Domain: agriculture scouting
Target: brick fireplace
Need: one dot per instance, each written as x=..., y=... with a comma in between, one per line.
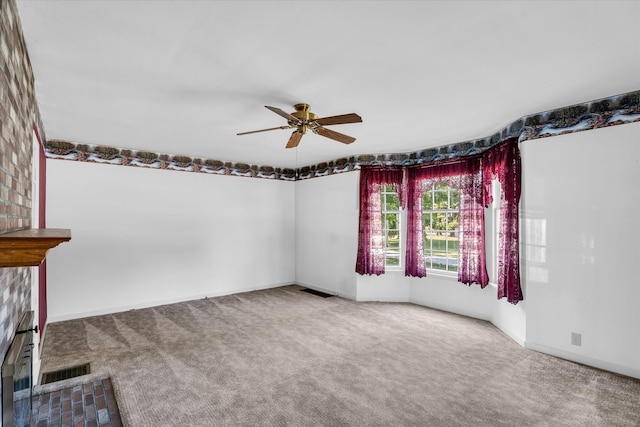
x=19, y=117
x=17, y=375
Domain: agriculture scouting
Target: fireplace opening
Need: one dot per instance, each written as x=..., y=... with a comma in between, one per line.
x=17, y=375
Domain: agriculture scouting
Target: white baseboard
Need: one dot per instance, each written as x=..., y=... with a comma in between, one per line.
x=327, y=291
x=383, y=299
x=147, y=304
x=444, y=307
x=515, y=337
x=585, y=360
x=469, y=313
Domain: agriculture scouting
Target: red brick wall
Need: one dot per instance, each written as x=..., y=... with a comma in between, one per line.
x=18, y=111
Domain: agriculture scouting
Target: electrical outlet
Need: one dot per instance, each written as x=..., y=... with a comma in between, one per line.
x=576, y=339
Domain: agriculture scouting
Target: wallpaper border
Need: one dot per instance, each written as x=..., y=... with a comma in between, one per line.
x=612, y=111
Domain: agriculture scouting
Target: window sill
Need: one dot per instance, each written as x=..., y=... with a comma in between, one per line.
x=442, y=274
x=439, y=274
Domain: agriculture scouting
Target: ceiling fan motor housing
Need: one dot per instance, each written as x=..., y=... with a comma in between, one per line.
x=302, y=112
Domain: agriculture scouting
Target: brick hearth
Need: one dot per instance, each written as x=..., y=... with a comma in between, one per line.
x=88, y=405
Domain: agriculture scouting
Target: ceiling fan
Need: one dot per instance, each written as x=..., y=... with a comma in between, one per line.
x=302, y=120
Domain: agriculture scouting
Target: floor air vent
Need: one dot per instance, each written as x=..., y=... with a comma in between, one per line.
x=317, y=293
x=65, y=374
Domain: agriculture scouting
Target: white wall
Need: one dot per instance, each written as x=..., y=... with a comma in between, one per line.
x=142, y=237
x=446, y=293
x=391, y=286
x=327, y=233
x=581, y=206
x=509, y=318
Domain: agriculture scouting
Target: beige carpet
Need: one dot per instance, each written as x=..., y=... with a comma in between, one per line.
x=282, y=357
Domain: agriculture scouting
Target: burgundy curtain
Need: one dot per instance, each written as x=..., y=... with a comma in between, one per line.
x=472, y=257
x=464, y=174
x=473, y=177
x=503, y=162
x=370, y=238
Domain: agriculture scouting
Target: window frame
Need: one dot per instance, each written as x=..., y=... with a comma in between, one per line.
x=492, y=231
x=492, y=228
x=428, y=251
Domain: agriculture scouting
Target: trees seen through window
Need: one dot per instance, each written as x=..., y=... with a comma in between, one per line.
x=441, y=226
x=391, y=226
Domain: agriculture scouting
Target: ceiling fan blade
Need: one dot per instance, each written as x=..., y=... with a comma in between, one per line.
x=294, y=140
x=263, y=130
x=328, y=133
x=287, y=116
x=339, y=120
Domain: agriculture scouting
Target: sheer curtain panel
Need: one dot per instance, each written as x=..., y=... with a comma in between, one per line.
x=370, y=258
x=503, y=163
x=465, y=175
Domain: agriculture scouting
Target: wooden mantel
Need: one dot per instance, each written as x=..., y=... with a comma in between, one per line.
x=25, y=248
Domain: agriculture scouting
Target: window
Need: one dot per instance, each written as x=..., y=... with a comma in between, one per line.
x=441, y=226
x=445, y=228
x=494, y=230
x=391, y=226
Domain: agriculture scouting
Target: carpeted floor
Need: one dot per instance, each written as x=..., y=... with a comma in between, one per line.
x=281, y=357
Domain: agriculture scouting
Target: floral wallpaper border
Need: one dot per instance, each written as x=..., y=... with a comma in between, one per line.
x=612, y=111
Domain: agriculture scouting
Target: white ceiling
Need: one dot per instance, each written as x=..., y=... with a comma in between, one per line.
x=183, y=77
